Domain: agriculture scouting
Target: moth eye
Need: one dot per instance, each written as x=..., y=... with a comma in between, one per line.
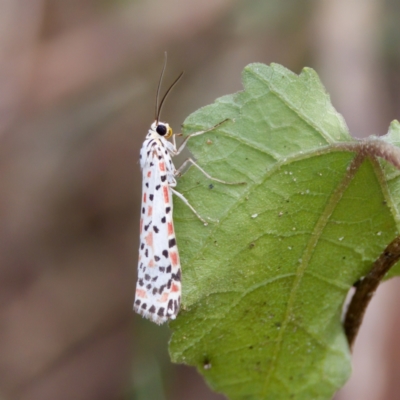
x=161, y=129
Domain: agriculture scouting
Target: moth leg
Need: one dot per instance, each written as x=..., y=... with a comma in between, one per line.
x=183, y=144
x=178, y=172
x=184, y=199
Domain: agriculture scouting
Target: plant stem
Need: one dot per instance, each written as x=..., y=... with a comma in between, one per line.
x=367, y=287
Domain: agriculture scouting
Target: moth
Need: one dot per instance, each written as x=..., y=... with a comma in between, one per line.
x=158, y=288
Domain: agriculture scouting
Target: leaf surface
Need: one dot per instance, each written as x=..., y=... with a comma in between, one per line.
x=264, y=286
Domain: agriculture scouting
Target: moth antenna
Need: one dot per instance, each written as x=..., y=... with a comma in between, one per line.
x=159, y=85
x=166, y=93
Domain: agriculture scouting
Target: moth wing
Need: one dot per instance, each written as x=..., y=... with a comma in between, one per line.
x=158, y=287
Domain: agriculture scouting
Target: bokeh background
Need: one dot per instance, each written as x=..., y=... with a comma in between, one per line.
x=77, y=86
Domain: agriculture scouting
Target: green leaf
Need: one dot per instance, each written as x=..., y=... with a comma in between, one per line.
x=263, y=287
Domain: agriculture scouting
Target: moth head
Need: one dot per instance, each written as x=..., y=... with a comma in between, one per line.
x=162, y=128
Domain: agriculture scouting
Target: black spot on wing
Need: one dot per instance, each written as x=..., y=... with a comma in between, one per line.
x=161, y=312
x=171, y=242
x=161, y=288
x=177, y=277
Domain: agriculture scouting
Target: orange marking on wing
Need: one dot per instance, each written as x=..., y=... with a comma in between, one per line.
x=166, y=194
x=170, y=229
x=149, y=174
x=141, y=293
x=174, y=258
x=141, y=225
x=149, y=239
x=150, y=211
x=162, y=166
x=144, y=197
x=151, y=263
x=164, y=298
x=175, y=288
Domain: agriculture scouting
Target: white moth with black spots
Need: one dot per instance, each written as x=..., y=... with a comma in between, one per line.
x=158, y=288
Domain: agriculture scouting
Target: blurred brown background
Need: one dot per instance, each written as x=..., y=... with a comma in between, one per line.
x=77, y=85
